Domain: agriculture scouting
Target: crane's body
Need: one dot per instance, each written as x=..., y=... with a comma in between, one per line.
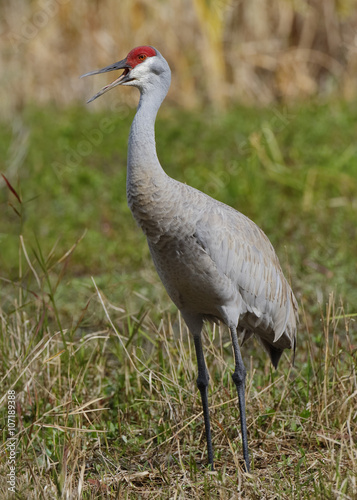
x=214, y=262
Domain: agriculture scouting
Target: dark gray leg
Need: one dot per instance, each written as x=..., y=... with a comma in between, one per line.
x=239, y=379
x=202, y=384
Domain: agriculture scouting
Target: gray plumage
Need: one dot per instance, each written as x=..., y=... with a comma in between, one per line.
x=214, y=262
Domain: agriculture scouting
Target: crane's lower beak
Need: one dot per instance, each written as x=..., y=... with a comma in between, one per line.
x=119, y=81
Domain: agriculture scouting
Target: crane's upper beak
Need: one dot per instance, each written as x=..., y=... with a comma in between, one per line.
x=123, y=64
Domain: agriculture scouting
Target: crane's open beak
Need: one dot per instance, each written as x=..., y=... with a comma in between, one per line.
x=124, y=77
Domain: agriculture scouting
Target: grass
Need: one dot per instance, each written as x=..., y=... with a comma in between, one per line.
x=100, y=360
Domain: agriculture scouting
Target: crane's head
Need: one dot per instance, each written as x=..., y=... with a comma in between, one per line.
x=144, y=68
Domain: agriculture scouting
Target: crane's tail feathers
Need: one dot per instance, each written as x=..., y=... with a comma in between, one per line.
x=294, y=349
x=283, y=321
x=274, y=352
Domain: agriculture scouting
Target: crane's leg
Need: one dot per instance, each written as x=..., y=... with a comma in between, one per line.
x=239, y=379
x=202, y=384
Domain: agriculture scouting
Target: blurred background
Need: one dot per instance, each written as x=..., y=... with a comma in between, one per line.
x=220, y=51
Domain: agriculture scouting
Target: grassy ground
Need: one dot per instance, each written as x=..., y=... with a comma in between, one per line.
x=101, y=363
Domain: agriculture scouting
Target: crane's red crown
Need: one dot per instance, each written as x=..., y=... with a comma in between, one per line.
x=139, y=54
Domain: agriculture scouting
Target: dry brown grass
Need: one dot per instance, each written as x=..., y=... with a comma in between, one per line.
x=80, y=436
x=224, y=50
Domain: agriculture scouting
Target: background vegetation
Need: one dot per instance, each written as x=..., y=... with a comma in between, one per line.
x=220, y=51
x=102, y=365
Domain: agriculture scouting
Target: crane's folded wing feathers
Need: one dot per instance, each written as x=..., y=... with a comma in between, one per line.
x=242, y=252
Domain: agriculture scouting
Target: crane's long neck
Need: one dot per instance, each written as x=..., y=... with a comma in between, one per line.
x=145, y=176
x=141, y=148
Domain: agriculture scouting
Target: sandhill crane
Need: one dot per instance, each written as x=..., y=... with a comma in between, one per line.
x=214, y=262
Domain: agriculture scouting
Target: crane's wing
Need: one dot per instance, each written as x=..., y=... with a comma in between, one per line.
x=243, y=253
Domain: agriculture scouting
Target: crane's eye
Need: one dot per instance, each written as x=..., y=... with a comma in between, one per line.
x=142, y=57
